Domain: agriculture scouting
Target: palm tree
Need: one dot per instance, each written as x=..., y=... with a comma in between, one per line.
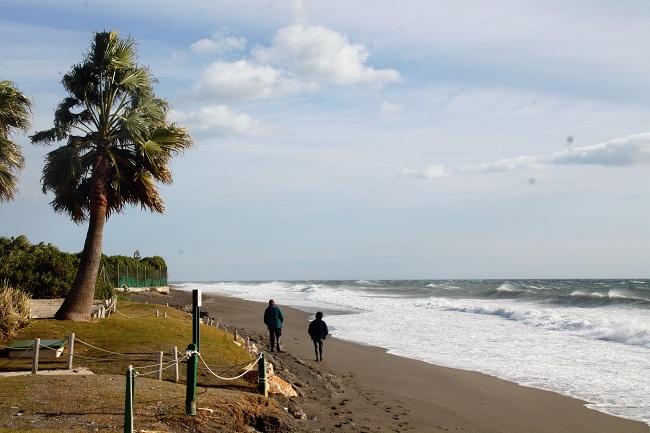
x=14, y=114
x=118, y=144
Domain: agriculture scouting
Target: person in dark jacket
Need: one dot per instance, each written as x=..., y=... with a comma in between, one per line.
x=273, y=319
x=318, y=333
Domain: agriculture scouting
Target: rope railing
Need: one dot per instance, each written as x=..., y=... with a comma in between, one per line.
x=134, y=317
x=170, y=365
x=85, y=343
x=145, y=367
x=165, y=361
x=250, y=367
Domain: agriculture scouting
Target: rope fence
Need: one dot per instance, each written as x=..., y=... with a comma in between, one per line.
x=250, y=367
x=164, y=362
x=21, y=351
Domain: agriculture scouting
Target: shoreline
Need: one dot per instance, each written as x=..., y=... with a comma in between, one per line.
x=428, y=397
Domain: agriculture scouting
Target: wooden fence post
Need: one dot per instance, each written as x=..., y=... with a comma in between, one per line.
x=37, y=345
x=70, y=350
x=234, y=335
x=176, y=364
x=160, y=365
x=157, y=313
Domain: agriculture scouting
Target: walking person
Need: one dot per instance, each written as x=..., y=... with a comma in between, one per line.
x=318, y=333
x=273, y=319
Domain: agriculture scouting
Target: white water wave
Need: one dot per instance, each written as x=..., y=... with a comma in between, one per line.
x=577, y=321
x=611, y=294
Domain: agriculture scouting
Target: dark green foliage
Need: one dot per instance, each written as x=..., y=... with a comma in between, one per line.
x=144, y=272
x=44, y=271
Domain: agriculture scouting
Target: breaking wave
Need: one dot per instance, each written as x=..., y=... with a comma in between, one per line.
x=582, y=298
x=598, y=328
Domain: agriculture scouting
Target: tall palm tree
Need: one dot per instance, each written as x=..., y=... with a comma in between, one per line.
x=118, y=144
x=15, y=110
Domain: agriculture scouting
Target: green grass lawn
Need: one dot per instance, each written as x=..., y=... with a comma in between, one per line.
x=141, y=338
x=95, y=403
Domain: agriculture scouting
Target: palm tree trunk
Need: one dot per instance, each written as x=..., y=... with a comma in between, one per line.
x=78, y=302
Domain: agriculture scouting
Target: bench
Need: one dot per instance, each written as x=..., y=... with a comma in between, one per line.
x=18, y=348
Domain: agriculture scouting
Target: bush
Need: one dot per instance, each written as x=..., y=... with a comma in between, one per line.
x=14, y=310
x=43, y=271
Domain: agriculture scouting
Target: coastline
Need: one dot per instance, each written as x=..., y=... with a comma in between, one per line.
x=402, y=394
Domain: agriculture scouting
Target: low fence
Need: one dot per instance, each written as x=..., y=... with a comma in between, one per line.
x=154, y=364
x=134, y=276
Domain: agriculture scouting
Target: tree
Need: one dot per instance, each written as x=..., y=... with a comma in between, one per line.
x=15, y=110
x=118, y=145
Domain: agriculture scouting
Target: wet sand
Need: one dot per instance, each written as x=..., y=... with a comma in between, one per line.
x=362, y=388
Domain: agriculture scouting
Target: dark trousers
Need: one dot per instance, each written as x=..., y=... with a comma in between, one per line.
x=274, y=337
x=318, y=349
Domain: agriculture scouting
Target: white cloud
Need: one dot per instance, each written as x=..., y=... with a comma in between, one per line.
x=246, y=81
x=320, y=53
x=219, y=43
x=218, y=120
x=621, y=152
x=431, y=172
x=300, y=58
x=506, y=164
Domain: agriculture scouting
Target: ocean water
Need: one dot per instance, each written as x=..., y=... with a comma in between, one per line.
x=588, y=339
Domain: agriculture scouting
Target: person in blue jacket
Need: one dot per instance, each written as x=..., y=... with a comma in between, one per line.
x=318, y=332
x=273, y=319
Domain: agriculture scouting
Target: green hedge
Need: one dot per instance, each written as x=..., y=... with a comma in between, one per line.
x=44, y=271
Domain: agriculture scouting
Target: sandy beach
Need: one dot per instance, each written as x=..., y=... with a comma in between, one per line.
x=361, y=388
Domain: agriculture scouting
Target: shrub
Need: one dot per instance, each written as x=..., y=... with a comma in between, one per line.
x=43, y=271
x=14, y=310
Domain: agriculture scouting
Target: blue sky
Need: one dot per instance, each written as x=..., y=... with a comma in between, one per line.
x=369, y=139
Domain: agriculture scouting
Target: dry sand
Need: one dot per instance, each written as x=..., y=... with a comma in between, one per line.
x=361, y=388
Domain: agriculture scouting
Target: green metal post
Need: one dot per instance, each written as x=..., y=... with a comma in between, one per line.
x=190, y=390
x=196, y=318
x=261, y=376
x=193, y=361
x=128, y=401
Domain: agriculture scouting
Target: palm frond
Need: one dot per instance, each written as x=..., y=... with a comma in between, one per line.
x=10, y=154
x=15, y=113
x=111, y=114
x=15, y=108
x=8, y=183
